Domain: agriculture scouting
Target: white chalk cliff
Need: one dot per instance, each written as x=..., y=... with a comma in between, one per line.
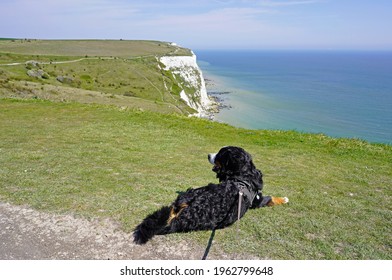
x=190, y=79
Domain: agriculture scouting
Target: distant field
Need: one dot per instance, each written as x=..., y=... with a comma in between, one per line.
x=121, y=73
x=118, y=48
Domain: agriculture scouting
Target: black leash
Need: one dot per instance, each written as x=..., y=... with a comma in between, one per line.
x=209, y=245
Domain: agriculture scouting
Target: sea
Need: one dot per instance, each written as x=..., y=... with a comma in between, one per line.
x=343, y=94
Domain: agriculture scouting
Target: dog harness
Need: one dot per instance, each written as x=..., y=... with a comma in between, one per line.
x=243, y=189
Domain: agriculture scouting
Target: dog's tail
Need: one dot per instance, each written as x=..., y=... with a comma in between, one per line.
x=153, y=224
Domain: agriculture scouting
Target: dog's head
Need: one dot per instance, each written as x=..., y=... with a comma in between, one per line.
x=235, y=162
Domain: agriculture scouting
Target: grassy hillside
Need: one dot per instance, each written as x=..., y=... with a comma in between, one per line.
x=98, y=161
x=123, y=73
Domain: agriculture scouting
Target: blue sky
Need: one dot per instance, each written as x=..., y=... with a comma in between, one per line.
x=207, y=24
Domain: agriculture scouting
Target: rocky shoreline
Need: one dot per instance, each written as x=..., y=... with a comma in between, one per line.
x=218, y=99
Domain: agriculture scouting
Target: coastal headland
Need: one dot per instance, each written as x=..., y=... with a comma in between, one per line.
x=145, y=75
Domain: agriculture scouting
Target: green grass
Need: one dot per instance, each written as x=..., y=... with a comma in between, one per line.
x=116, y=48
x=98, y=161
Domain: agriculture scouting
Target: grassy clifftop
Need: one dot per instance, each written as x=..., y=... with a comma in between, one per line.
x=98, y=161
x=76, y=48
x=123, y=73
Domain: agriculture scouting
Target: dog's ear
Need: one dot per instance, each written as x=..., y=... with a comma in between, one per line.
x=250, y=171
x=232, y=158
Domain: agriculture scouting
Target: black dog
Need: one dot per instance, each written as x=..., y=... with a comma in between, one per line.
x=214, y=206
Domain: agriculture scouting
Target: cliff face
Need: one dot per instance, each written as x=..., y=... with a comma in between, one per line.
x=189, y=79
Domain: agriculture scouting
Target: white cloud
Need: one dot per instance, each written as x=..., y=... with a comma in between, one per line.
x=63, y=19
x=226, y=27
x=274, y=3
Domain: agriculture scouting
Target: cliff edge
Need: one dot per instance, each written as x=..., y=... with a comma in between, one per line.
x=189, y=79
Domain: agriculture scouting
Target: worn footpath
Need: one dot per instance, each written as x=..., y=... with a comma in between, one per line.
x=29, y=234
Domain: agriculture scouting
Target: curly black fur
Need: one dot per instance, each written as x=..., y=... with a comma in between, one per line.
x=213, y=206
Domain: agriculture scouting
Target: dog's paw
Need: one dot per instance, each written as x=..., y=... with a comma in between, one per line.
x=277, y=201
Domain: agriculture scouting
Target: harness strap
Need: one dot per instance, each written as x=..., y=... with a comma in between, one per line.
x=240, y=194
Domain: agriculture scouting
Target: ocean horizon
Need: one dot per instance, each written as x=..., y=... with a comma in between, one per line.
x=343, y=94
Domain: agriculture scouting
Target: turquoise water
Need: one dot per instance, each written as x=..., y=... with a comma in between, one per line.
x=341, y=94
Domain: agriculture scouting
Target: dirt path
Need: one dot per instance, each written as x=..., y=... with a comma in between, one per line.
x=52, y=62
x=74, y=60
x=30, y=234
